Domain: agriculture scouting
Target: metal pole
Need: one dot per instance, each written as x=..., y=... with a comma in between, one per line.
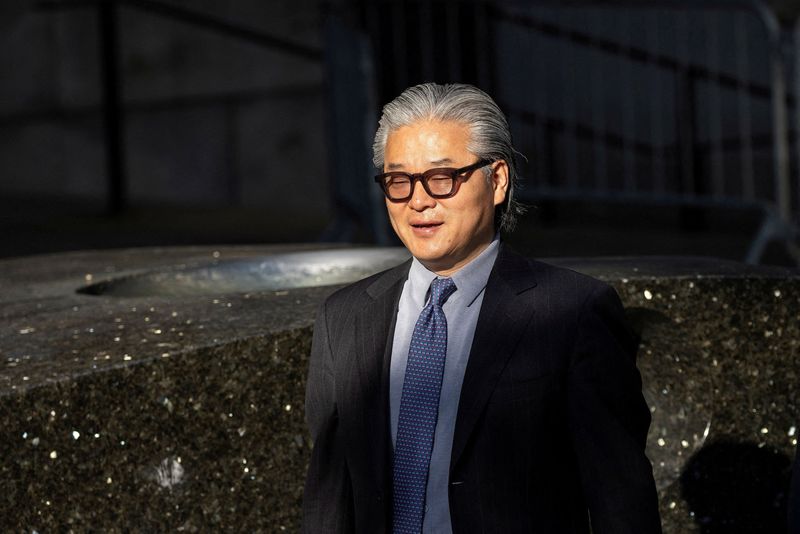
x=716, y=159
x=780, y=128
x=686, y=130
x=628, y=112
x=113, y=117
x=658, y=161
x=781, y=228
x=569, y=110
x=780, y=141
x=744, y=107
x=486, y=49
x=796, y=45
x=599, y=126
x=427, y=48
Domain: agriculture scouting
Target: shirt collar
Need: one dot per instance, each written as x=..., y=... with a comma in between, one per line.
x=470, y=280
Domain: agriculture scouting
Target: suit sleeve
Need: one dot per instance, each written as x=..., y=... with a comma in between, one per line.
x=328, y=497
x=794, y=495
x=609, y=420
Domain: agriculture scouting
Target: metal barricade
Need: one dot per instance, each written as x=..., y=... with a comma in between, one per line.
x=670, y=102
x=636, y=101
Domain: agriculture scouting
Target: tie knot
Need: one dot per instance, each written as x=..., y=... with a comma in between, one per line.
x=441, y=289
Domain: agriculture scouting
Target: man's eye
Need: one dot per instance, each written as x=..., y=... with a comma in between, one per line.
x=398, y=180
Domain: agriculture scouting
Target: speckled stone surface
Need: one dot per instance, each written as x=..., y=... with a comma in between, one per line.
x=719, y=359
x=164, y=413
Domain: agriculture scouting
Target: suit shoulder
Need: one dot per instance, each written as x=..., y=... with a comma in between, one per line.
x=567, y=281
x=352, y=296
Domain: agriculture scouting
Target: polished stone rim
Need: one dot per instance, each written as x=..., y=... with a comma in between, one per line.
x=263, y=273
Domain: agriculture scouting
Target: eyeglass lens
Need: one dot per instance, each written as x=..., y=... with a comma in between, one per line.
x=399, y=186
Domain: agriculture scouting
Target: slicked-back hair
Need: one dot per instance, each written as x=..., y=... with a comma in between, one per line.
x=490, y=137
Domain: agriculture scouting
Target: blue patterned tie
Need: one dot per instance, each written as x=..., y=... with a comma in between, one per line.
x=419, y=409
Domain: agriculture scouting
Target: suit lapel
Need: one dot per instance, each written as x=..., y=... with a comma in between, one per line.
x=374, y=326
x=505, y=313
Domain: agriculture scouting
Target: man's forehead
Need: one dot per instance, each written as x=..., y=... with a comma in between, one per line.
x=429, y=142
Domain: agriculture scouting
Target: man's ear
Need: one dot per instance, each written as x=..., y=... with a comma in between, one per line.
x=499, y=181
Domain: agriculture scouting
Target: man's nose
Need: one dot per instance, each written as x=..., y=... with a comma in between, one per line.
x=420, y=199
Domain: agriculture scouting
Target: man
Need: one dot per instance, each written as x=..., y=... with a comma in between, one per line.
x=471, y=389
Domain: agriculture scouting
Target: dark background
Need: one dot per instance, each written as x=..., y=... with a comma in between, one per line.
x=648, y=127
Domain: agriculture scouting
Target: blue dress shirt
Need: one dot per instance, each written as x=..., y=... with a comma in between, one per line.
x=461, y=311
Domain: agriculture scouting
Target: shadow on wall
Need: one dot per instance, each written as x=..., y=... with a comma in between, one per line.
x=737, y=488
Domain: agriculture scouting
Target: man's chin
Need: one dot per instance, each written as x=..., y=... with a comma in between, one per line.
x=433, y=260
x=425, y=251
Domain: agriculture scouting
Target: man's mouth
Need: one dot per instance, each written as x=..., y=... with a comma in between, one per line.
x=425, y=228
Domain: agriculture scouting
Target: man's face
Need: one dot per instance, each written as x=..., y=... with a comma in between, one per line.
x=444, y=234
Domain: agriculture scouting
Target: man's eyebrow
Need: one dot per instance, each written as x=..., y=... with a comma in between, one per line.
x=434, y=164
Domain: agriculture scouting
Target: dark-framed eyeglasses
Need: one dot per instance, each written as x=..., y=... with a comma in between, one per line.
x=438, y=183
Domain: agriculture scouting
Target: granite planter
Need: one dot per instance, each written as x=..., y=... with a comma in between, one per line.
x=162, y=389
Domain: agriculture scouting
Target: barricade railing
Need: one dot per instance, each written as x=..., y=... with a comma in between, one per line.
x=610, y=104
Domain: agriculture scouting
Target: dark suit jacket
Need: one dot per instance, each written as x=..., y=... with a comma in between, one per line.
x=551, y=423
x=794, y=495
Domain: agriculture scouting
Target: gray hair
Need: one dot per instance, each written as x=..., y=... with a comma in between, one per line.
x=490, y=137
